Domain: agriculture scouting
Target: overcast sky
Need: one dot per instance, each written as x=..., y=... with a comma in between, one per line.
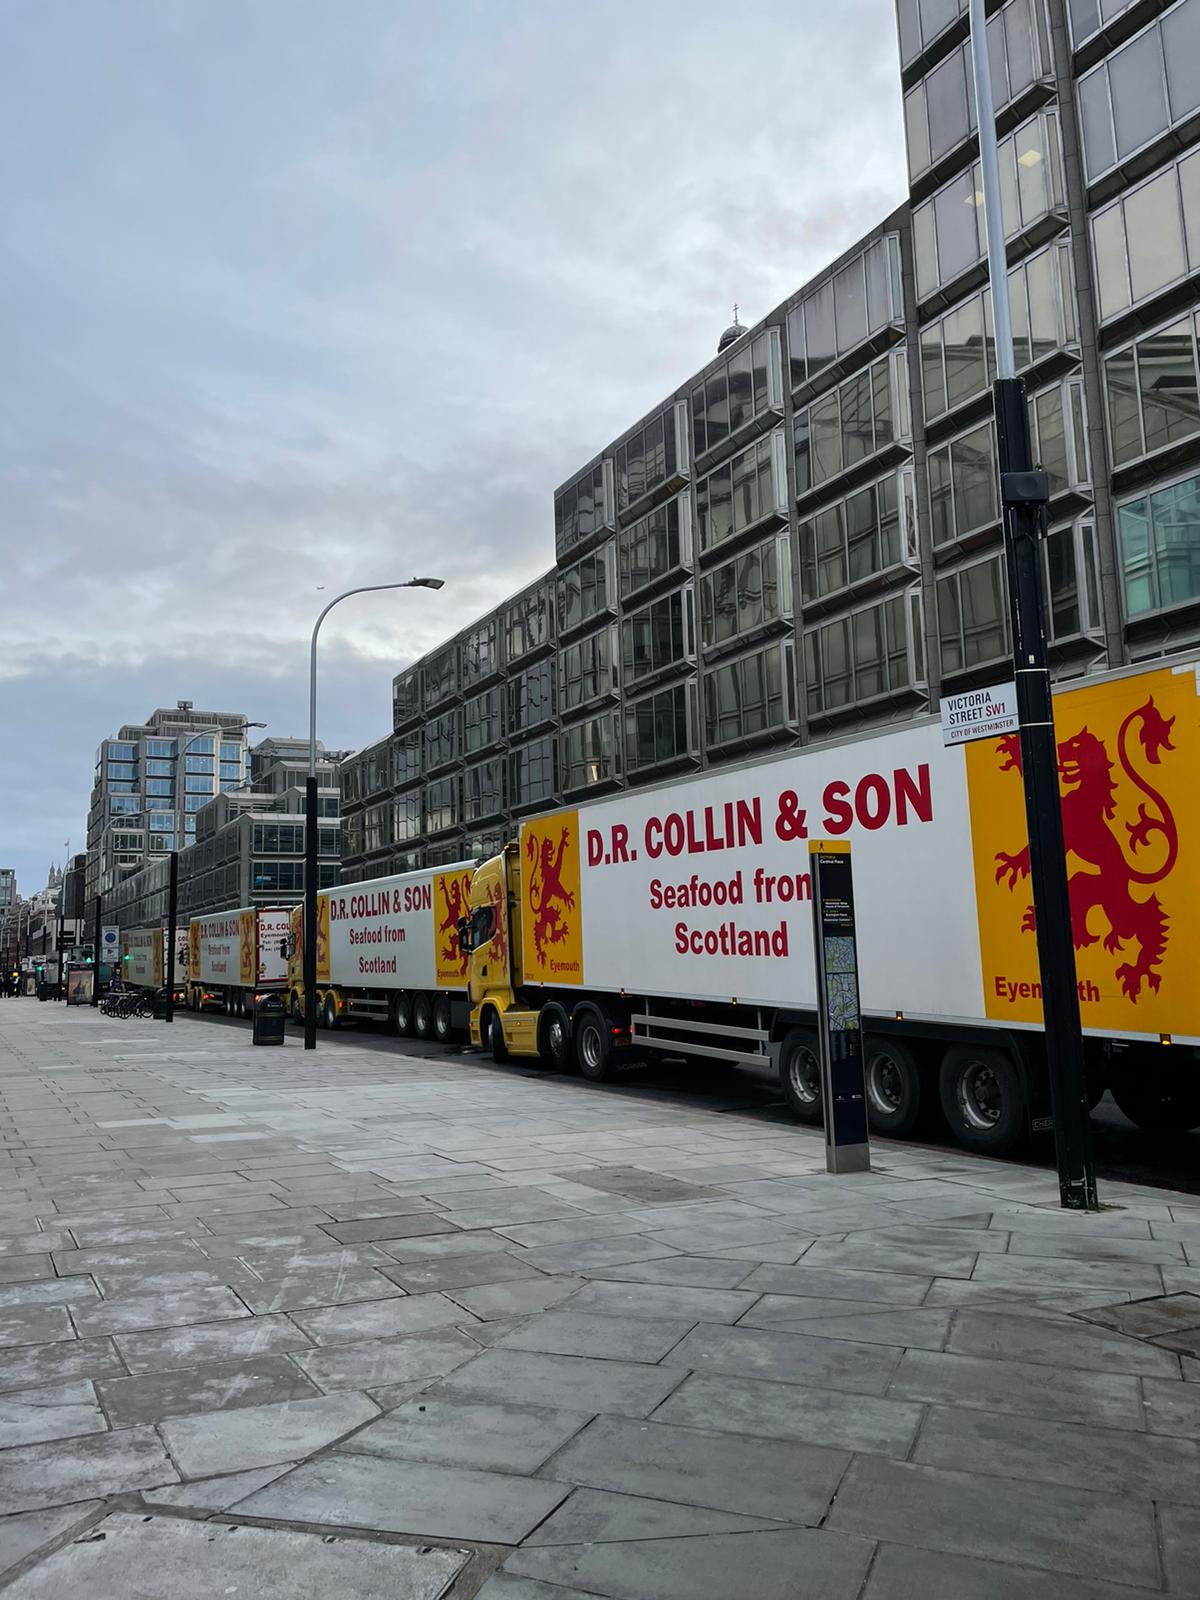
x=298, y=294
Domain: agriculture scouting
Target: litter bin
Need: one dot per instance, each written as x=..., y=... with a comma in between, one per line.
x=159, y=1005
x=269, y=1019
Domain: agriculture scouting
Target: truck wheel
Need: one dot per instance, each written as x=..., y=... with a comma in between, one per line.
x=402, y=1015
x=330, y=1013
x=593, y=1045
x=1157, y=1101
x=554, y=1037
x=983, y=1098
x=494, y=1034
x=893, y=1088
x=443, y=1028
x=800, y=1074
x=423, y=1017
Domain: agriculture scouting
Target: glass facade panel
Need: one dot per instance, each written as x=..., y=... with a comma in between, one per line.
x=1149, y=239
x=531, y=698
x=442, y=805
x=745, y=594
x=583, y=508
x=962, y=484
x=656, y=545
x=585, y=590
x=1181, y=50
x=851, y=423
x=443, y=740
x=441, y=675
x=1160, y=548
x=481, y=653
x=483, y=721
x=528, y=623
x=972, y=625
x=861, y=536
x=586, y=670
x=1146, y=86
x=657, y=729
x=746, y=698
x=746, y=386
x=647, y=459
x=483, y=790
x=862, y=657
x=533, y=772
x=1167, y=385
x=740, y=494
x=590, y=752
x=657, y=637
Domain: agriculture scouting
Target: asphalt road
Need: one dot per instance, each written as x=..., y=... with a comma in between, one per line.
x=1122, y=1150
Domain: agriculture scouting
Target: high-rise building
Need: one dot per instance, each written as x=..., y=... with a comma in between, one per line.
x=8, y=888
x=804, y=538
x=151, y=780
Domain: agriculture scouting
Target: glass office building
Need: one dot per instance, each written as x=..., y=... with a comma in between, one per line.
x=804, y=538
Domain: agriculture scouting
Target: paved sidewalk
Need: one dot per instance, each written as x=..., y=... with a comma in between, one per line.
x=362, y=1324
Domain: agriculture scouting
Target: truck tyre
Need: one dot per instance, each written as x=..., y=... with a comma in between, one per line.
x=554, y=1037
x=893, y=1088
x=983, y=1098
x=800, y=1074
x=423, y=1017
x=443, y=1028
x=1157, y=1101
x=494, y=1035
x=402, y=1015
x=593, y=1044
x=330, y=1013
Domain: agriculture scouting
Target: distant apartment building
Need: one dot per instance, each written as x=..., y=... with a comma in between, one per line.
x=151, y=780
x=803, y=539
x=8, y=888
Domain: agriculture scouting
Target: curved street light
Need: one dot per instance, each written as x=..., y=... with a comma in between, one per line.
x=310, y=804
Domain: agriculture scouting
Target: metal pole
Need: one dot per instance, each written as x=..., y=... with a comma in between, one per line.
x=1024, y=494
x=96, y=950
x=172, y=920
x=310, y=805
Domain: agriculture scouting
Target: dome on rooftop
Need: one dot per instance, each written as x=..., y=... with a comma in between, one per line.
x=732, y=334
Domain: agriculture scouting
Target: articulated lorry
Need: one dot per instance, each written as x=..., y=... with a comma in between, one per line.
x=144, y=957
x=677, y=919
x=388, y=951
x=234, y=957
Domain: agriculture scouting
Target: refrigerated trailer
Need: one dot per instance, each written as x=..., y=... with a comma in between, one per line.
x=388, y=951
x=677, y=919
x=236, y=956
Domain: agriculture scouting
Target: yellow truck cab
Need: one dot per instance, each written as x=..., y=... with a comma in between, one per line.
x=493, y=972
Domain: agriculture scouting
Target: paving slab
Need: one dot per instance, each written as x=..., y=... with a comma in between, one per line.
x=790, y=1411
x=37, y=1475
x=370, y=1319
x=172, y=1308
x=195, y=1343
x=34, y=1325
x=216, y=1494
x=495, y=1436
x=1061, y=1272
x=581, y=1253
x=492, y=1301
x=1180, y=1527
x=54, y=1411
x=419, y=1225
x=693, y=1272
x=1054, y=1528
x=581, y=1333
x=1002, y=1336
x=840, y=1283
x=921, y=1329
x=215, y=1386
x=780, y=1479
x=596, y=1516
x=459, y=1272
x=582, y=1383
x=839, y=1364
x=28, y=1366
x=260, y=1436
x=1172, y=1408
x=194, y=1560
x=374, y=1362
x=21, y=1536
x=713, y=1566
x=663, y=1300
x=1102, y=1399
x=414, y=1497
x=902, y=1573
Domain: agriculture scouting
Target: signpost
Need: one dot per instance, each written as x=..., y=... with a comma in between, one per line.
x=980, y=714
x=109, y=954
x=839, y=1022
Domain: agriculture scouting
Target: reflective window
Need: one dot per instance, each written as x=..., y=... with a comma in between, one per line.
x=483, y=721
x=1146, y=86
x=583, y=508
x=483, y=790
x=1160, y=548
x=442, y=804
x=656, y=545
x=1148, y=239
x=586, y=670
x=278, y=838
x=1089, y=16
x=115, y=751
x=285, y=877
x=198, y=764
x=123, y=771
x=407, y=818
x=480, y=652
x=657, y=636
x=875, y=651
x=591, y=752
x=443, y=740
x=586, y=590
x=230, y=752
x=231, y=772
x=659, y=729
x=840, y=313
x=531, y=698
x=163, y=747
x=533, y=772
x=972, y=620
x=859, y=418
x=406, y=696
x=958, y=350
x=529, y=622
x=747, y=593
x=746, y=386
x=198, y=785
x=748, y=697
x=921, y=21
x=858, y=537
x=653, y=456
x=406, y=758
x=962, y=485
x=948, y=228
x=746, y=490
x=123, y=805
x=162, y=786
x=1153, y=390
x=1072, y=586
x=441, y=668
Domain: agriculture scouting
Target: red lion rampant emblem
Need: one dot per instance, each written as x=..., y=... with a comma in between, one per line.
x=548, y=895
x=455, y=900
x=1108, y=877
x=498, y=945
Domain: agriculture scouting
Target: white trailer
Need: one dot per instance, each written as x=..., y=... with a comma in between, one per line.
x=236, y=956
x=388, y=951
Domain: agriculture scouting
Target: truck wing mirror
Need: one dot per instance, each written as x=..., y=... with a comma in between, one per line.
x=464, y=935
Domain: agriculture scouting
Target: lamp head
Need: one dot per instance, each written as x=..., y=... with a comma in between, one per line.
x=427, y=583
